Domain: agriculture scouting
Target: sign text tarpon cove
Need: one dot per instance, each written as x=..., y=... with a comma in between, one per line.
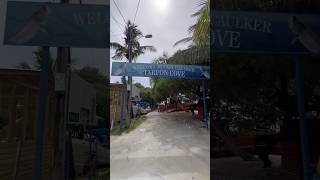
x=160, y=70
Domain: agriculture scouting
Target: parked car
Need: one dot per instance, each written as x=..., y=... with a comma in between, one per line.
x=148, y=109
x=135, y=109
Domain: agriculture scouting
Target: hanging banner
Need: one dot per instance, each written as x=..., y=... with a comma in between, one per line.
x=237, y=31
x=57, y=24
x=160, y=70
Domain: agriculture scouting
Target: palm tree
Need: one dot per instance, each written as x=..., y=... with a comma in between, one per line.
x=131, y=47
x=201, y=30
x=130, y=50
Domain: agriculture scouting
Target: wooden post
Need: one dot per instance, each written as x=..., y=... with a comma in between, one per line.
x=12, y=115
x=25, y=114
x=47, y=120
x=116, y=108
x=50, y=118
x=1, y=99
x=25, y=121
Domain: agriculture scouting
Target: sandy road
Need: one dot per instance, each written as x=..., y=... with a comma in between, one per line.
x=167, y=146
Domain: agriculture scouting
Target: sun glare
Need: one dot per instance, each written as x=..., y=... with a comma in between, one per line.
x=161, y=5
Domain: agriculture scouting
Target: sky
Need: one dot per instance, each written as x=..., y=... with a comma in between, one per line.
x=167, y=20
x=10, y=56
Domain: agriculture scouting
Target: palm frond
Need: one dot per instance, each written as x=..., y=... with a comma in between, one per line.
x=191, y=28
x=201, y=30
x=184, y=40
x=204, y=5
x=115, y=45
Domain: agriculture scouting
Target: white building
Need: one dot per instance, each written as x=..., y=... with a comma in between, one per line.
x=82, y=105
x=135, y=93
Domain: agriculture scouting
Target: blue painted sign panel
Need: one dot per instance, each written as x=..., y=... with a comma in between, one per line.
x=160, y=70
x=236, y=31
x=56, y=24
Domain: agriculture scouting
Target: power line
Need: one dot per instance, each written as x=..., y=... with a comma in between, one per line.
x=117, y=22
x=119, y=11
x=134, y=20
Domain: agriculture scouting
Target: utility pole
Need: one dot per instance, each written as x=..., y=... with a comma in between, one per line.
x=62, y=95
x=130, y=78
x=41, y=114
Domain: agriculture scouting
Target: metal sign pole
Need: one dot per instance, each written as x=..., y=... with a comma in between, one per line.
x=204, y=103
x=304, y=144
x=122, y=103
x=41, y=114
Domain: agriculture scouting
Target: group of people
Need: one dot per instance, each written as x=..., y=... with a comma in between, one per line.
x=167, y=104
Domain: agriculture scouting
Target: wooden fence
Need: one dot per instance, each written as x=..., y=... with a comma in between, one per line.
x=18, y=107
x=16, y=160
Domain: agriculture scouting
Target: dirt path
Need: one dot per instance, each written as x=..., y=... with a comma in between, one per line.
x=167, y=146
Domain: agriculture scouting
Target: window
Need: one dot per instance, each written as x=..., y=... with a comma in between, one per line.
x=73, y=117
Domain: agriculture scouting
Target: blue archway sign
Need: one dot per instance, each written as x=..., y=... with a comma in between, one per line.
x=271, y=33
x=162, y=70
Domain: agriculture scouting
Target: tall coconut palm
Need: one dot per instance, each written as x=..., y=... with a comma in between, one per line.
x=130, y=50
x=201, y=29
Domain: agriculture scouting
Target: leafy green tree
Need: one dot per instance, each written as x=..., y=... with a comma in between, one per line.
x=201, y=29
x=195, y=55
x=145, y=93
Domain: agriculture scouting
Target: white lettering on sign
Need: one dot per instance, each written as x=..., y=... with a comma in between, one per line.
x=90, y=18
x=166, y=73
x=242, y=23
x=226, y=38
